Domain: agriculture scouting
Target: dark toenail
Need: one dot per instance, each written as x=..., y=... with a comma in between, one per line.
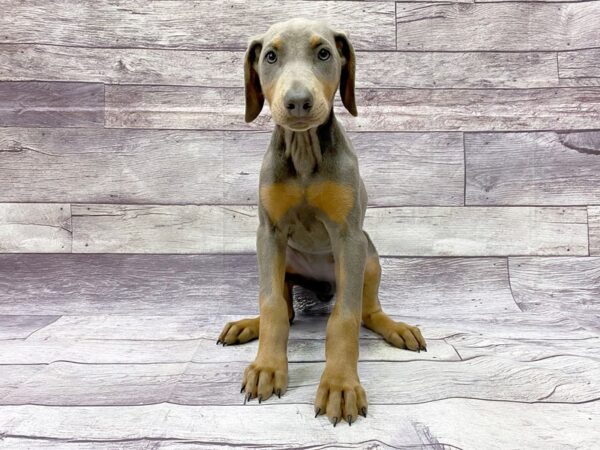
x=318, y=411
x=349, y=420
x=335, y=421
x=259, y=399
x=364, y=411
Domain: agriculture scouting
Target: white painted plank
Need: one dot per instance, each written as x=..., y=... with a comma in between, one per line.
x=131, y=351
x=567, y=379
x=435, y=325
x=220, y=68
x=22, y=326
x=35, y=228
x=180, y=24
x=550, y=168
x=212, y=167
x=455, y=423
x=378, y=109
x=570, y=285
x=473, y=346
x=514, y=26
x=404, y=231
x=476, y=231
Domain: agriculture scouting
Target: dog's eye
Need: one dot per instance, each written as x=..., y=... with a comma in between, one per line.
x=271, y=57
x=324, y=54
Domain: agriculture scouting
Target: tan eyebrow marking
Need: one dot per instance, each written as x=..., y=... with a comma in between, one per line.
x=277, y=43
x=315, y=41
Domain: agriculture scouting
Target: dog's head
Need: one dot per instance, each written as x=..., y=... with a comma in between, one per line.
x=297, y=66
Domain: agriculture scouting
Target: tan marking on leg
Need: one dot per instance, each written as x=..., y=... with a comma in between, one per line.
x=278, y=198
x=398, y=334
x=334, y=199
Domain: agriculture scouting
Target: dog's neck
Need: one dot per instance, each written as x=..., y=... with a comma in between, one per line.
x=305, y=148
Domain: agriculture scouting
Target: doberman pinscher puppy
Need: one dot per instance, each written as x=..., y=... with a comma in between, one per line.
x=312, y=204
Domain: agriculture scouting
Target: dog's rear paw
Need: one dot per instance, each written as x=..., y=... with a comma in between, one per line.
x=341, y=397
x=239, y=332
x=263, y=379
x=402, y=335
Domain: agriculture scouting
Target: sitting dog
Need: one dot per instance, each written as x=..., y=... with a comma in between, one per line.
x=312, y=204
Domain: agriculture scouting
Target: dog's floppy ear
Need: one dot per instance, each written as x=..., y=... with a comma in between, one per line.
x=254, y=95
x=348, y=71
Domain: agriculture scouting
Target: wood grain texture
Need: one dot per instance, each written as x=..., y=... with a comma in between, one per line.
x=594, y=229
x=116, y=351
x=567, y=379
x=498, y=26
x=478, y=231
x=579, y=68
x=43, y=104
x=566, y=284
x=436, y=325
x=223, y=68
x=453, y=423
x=22, y=326
x=228, y=284
x=163, y=229
x=549, y=168
x=34, y=227
x=214, y=167
x=378, y=109
x=186, y=25
x=403, y=231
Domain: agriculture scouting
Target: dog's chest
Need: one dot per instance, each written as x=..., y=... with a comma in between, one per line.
x=328, y=200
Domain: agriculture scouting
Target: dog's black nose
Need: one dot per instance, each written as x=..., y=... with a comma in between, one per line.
x=298, y=101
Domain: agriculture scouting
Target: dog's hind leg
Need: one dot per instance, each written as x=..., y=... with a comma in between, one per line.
x=246, y=330
x=399, y=334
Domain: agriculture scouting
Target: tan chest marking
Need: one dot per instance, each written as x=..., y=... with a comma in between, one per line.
x=334, y=199
x=278, y=198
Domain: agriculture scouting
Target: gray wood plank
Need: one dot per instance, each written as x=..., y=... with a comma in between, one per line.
x=35, y=227
x=166, y=285
x=23, y=326
x=579, y=68
x=214, y=167
x=46, y=104
x=498, y=26
x=403, y=231
x=570, y=285
x=594, y=229
x=550, y=168
x=181, y=24
x=22, y=62
x=567, y=379
x=378, y=109
x=453, y=423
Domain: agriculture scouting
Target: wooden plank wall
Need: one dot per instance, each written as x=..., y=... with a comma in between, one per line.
x=123, y=132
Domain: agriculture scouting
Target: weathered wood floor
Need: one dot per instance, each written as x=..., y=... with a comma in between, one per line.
x=119, y=351
x=128, y=184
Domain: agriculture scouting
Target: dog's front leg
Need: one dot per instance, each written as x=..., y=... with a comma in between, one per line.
x=340, y=394
x=268, y=373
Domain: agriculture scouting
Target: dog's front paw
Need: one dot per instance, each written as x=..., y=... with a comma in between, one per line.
x=265, y=377
x=340, y=396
